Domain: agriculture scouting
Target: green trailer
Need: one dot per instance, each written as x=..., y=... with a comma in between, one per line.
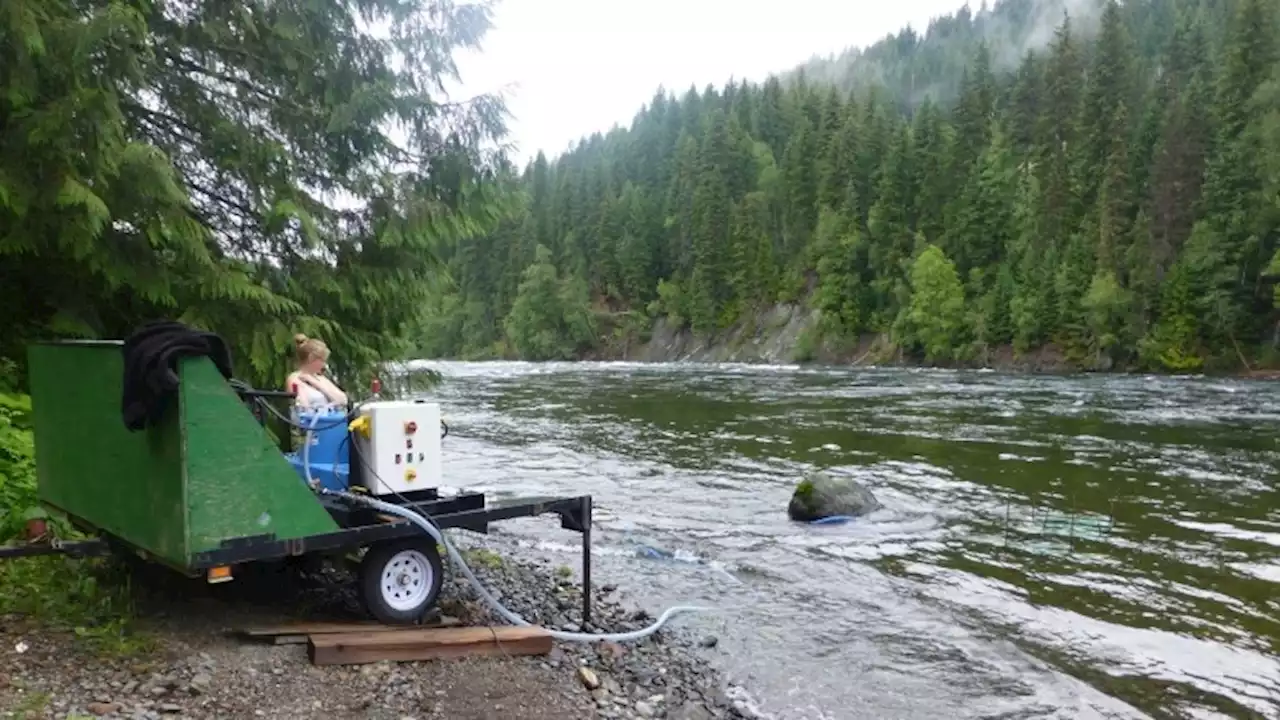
x=206, y=488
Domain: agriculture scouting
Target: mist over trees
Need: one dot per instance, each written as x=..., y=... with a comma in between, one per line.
x=1111, y=194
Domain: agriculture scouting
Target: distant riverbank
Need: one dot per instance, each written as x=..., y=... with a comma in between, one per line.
x=790, y=334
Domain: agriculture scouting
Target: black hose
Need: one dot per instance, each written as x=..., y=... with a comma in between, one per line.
x=346, y=418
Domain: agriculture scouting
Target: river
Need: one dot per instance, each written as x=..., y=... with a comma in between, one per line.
x=1082, y=547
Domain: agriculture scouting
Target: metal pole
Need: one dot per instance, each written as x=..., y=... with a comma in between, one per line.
x=586, y=559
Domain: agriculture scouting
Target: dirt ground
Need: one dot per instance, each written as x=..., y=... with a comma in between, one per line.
x=192, y=666
x=203, y=675
x=186, y=661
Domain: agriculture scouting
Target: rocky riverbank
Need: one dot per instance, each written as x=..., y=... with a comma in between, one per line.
x=194, y=668
x=791, y=333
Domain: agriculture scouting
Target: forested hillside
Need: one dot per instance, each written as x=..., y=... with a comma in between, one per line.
x=1111, y=194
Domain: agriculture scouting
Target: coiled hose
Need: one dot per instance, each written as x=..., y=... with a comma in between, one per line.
x=511, y=617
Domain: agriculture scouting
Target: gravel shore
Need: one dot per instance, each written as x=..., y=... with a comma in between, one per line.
x=198, y=670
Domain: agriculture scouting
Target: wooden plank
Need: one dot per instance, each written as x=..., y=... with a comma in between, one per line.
x=297, y=633
x=409, y=645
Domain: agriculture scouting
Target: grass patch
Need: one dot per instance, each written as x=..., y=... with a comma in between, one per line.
x=32, y=706
x=89, y=598
x=484, y=558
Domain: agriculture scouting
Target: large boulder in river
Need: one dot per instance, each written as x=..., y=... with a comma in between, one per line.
x=821, y=495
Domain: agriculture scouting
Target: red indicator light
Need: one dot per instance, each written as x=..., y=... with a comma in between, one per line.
x=376, y=386
x=410, y=427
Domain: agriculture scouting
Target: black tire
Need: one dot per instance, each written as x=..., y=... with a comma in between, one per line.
x=406, y=598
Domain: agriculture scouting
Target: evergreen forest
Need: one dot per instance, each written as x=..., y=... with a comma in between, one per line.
x=257, y=168
x=1092, y=178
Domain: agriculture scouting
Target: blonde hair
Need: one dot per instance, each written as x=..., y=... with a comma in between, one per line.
x=309, y=349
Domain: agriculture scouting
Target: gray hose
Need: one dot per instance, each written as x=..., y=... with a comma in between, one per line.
x=433, y=531
x=306, y=451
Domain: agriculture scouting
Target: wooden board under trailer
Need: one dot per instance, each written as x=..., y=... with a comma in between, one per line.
x=356, y=648
x=296, y=633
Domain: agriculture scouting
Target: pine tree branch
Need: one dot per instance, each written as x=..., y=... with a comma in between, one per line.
x=150, y=116
x=192, y=66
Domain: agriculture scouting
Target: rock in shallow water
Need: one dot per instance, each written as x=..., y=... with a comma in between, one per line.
x=821, y=495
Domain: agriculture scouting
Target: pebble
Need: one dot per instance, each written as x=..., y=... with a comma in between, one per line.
x=588, y=678
x=690, y=711
x=200, y=682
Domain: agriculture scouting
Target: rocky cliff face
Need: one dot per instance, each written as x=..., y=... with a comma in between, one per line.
x=789, y=333
x=771, y=337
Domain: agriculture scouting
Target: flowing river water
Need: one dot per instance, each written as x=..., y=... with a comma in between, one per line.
x=1084, y=547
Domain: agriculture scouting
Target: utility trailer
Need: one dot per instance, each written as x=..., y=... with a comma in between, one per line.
x=206, y=489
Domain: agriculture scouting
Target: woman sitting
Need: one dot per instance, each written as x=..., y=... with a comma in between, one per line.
x=308, y=383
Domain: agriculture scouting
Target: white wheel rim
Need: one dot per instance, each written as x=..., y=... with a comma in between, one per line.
x=406, y=580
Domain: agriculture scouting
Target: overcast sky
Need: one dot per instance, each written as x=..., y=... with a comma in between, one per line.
x=572, y=67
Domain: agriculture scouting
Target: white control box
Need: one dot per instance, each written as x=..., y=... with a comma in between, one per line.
x=403, y=451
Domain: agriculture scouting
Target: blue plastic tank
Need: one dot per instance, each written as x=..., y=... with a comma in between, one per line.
x=330, y=450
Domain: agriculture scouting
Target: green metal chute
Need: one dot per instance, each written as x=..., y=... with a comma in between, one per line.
x=205, y=474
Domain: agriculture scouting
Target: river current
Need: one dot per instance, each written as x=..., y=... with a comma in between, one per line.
x=1049, y=547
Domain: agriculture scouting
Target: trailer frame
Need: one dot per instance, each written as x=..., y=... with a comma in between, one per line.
x=359, y=528
x=203, y=488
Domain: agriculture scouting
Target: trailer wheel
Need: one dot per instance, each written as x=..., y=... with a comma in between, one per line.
x=400, y=580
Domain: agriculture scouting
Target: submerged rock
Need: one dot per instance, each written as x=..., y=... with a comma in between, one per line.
x=821, y=495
